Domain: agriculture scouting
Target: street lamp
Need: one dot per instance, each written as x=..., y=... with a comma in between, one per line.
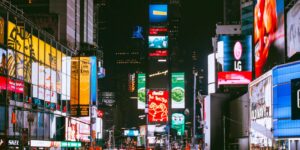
x=194, y=109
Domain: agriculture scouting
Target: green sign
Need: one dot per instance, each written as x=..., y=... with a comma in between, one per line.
x=178, y=123
x=71, y=144
x=141, y=89
x=178, y=90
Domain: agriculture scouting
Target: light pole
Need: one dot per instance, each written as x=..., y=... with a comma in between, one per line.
x=194, y=109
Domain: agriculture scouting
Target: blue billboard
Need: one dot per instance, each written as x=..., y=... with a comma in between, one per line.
x=158, y=13
x=158, y=42
x=283, y=124
x=93, y=79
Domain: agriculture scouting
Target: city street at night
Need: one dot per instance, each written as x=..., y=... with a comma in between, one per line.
x=149, y=75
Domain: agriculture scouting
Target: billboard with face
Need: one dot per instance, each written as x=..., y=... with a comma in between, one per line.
x=293, y=27
x=178, y=121
x=269, y=35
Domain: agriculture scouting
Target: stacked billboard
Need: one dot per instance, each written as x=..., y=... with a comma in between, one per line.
x=235, y=60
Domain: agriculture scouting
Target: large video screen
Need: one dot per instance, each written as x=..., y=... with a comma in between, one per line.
x=293, y=25
x=158, y=41
x=158, y=13
x=269, y=35
x=158, y=73
x=158, y=105
x=235, y=60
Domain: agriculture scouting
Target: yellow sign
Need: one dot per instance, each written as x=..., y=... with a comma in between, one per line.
x=85, y=71
x=2, y=30
x=74, y=81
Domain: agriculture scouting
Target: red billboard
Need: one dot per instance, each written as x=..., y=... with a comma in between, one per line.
x=230, y=78
x=158, y=31
x=158, y=105
x=158, y=53
x=11, y=85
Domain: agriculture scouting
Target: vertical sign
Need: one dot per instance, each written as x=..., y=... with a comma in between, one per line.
x=80, y=77
x=93, y=79
x=141, y=91
x=2, y=30
x=295, y=101
x=158, y=105
x=178, y=90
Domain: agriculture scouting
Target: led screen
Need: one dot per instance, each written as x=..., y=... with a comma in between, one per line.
x=158, y=73
x=158, y=41
x=235, y=58
x=268, y=34
x=293, y=26
x=141, y=89
x=158, y=31
x=158, y=105
x=283, y=94
x=158, y=53
x=158, y=13
x=178, y=90
x=260, y=95
x=178, y=122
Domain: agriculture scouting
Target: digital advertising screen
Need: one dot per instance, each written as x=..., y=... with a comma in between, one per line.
x=158, y=106
x=158, y=42
x=141, y=90
x=158, y=31
x=235, y=60
x=158, y=73
x=261, y=113
x=178, y=90
x=158, y=53
x=178, y=122
x=158, y=13
x=286, y=119
x=269, y=41
x=293, y=25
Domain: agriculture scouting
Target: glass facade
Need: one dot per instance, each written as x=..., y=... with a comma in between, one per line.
x=34, y=79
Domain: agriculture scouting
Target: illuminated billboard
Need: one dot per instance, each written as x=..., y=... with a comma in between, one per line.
x=286, y=122
x=80, y=77
x=158, y=41
x=158, y=105
x=235, y=57
x=158, y=31
x=77, y=129
x=261, y=113
x=178, y=122
x=141, y=90
x=178, y=90
x=158, y=73
x=293, y=36
x=158, y=53
x=158, y=13
x=269, y=41
x=93, y=79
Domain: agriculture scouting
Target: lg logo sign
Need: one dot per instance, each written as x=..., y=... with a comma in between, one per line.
x=237, y=51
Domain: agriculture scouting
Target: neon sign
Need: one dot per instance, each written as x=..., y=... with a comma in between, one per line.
x=158, y=105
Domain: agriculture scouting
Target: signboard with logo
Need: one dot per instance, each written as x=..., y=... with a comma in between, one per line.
x=178, y=90
x=260, y=95
x=235, y=59
x=108, y=98
x=158, y=73
x=141, y=90
x=178, y=122
x=131, y=82
x=158, y=105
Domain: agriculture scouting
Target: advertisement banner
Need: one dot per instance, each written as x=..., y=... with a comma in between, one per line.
x=80, y=77
x=295, y=98
x=158, y=13
x=2, y=25
x=158, y=41
x=235, y=57
x=178, y=90
x=77, y=130
x=141, y=88
x=11, y=85
x=158, y=106
x=158, y=73
x=261, y=123
x=178, y=122
x=293, y=25
x=269, y=36
x=93, y=79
